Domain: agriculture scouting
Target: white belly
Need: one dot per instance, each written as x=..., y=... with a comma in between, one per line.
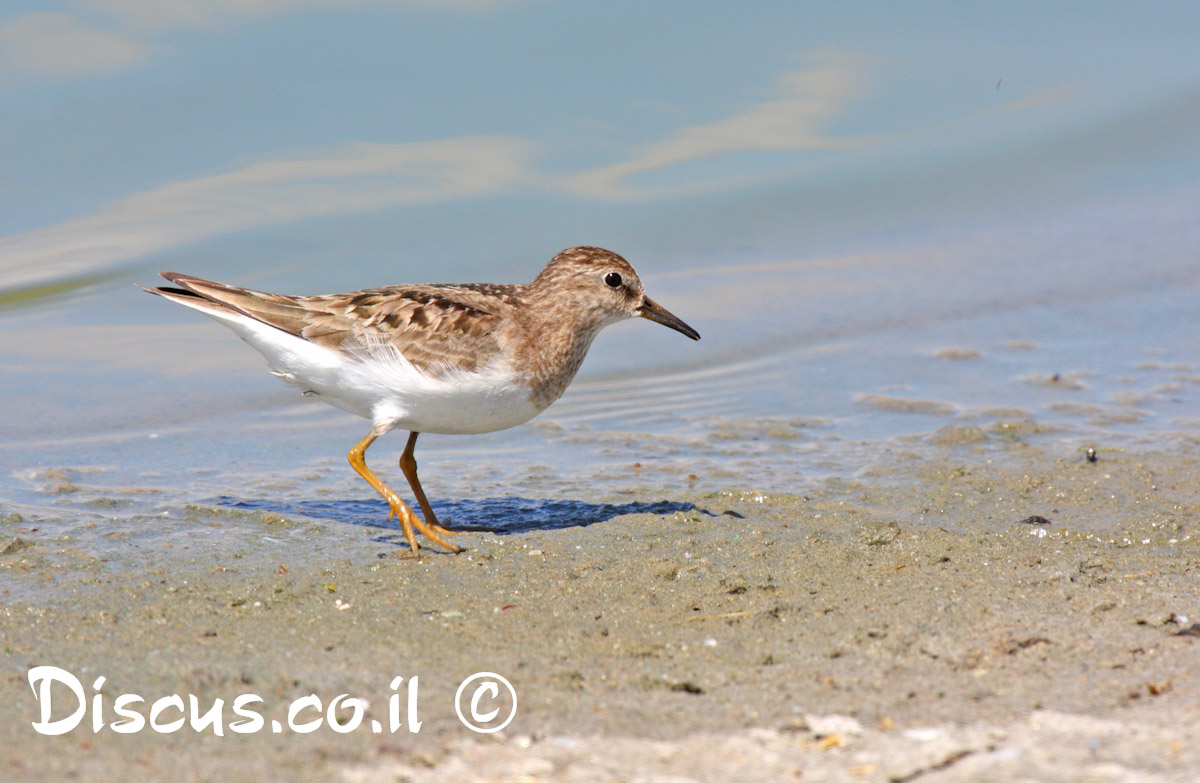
x=381, y=385
x=458, y=403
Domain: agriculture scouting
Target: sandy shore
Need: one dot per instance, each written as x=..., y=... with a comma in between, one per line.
x=908, y=624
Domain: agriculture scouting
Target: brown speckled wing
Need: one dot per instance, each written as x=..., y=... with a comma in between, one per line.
x=437, y=328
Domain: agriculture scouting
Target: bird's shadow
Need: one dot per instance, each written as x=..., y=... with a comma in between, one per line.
x=494, y=515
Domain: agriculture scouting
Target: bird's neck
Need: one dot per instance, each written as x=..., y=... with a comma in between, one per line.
x=555, y=348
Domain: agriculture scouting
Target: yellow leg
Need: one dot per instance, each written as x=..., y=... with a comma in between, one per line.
x=408, y=464
x=399, y=508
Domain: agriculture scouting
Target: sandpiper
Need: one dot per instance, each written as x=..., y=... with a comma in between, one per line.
x=453, y=359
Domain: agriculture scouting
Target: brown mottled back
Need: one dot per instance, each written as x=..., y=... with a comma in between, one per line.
x=437, y=328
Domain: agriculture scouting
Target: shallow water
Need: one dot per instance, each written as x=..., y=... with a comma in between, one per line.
x=136, y=457
x=965, y=254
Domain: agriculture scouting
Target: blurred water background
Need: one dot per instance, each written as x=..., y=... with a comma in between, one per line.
x=891, y=223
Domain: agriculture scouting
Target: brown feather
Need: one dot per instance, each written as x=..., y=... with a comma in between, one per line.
x=436, y=327
x=549, y=323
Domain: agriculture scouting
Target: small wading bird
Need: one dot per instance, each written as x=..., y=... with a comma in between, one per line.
x=451, y=359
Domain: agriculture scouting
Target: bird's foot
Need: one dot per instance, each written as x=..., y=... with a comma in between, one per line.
x=409, y=520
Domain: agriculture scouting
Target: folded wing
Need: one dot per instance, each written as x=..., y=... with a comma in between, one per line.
x=437, y=328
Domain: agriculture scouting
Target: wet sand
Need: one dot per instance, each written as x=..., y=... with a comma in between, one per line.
x=912, y=622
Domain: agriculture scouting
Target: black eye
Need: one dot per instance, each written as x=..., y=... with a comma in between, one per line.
x=613, y=280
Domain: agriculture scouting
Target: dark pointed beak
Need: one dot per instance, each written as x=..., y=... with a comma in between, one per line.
x=657, y=313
